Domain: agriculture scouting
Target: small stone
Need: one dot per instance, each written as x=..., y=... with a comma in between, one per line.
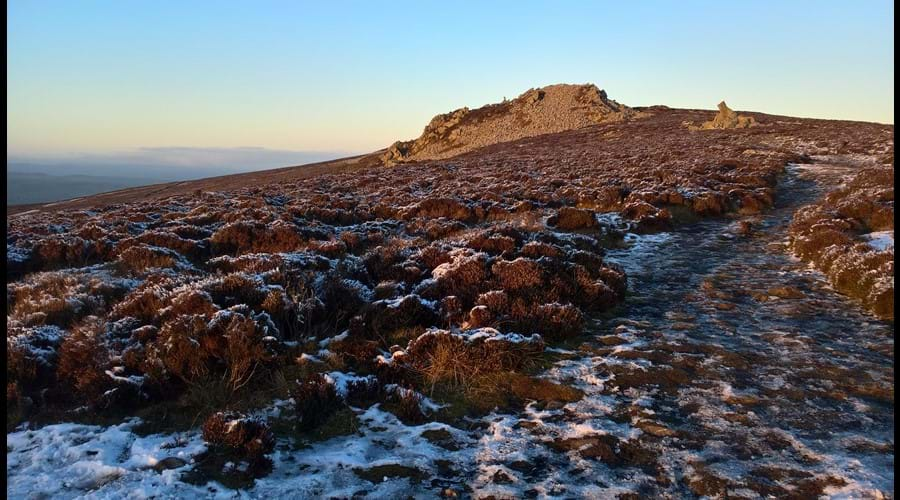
x=169, y=463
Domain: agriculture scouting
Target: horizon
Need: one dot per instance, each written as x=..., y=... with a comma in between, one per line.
x=450, y=250
x=169, y=76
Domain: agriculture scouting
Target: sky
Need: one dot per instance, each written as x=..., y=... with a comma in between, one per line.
x=117, y=78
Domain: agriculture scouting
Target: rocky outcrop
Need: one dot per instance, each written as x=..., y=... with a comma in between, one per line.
x=727, y=118
x=551, y=109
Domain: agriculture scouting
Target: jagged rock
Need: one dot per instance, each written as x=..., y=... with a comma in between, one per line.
x=727, y=118
x=546, y=110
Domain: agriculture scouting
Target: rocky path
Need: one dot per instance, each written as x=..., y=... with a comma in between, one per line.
x=731, y=370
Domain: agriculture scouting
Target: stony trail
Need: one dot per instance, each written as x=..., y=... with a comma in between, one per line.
x=731, y=369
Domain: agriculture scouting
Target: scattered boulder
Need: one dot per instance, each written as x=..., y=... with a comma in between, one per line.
x=727, y=119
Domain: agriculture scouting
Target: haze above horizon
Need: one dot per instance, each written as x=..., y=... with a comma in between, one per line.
x=106, y=78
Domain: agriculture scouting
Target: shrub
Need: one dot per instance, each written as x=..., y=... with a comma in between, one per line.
x=518, y=274
x=570, y=218
x=58, y=298
x=283, y=313
x=251, y=438
x=364, y=392
x=315, y=400
x=452, y=309
x=244, y=350
x=169, y=240
x=708, y=203
x=492, y=244
x=433, y=208
x=141, y=257
x=381, y=261
x=144, y=302
x=462, y=276
x=84, y=359
x=67, y=251
x=354, y=351
x=329, y=248
x=433, y=256
x=384, y=316
x=440, y=356
x=537, y=249
x=189, y=301
x=177, y=351
x=235, y=289
x=558, y=320
x=646, y=216
x=31, y=356
x=341, y=300
x=243, y=237
x=408, y=405
x=480, y=316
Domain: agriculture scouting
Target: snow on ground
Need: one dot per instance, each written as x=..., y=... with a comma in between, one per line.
x=83, y=461
x=881, y=240
x=87, y=461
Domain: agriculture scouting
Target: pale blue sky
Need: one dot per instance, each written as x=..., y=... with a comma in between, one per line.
x=96, y=77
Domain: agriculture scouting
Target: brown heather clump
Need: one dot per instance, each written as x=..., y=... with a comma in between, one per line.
x=234, y=289
x=537, y=249
x=141, y=257
x=177, y=353
x=558, y=320
x=166, y=239
x=315, y=400
x=831, y=234
x=244, y=351
x=569, y=218
x=32, y=354
x=251, y=438
x=460, y=277
x=492, y=244
x=84, y=359
x=228, y=284
x=142, y=303
x=190, y=347
x=242, y=237
x=57, y=252
x=518, y=274
x=440, y=356
x=408, y=406
x=647, y=216
x=380, y=318
x=434, y=208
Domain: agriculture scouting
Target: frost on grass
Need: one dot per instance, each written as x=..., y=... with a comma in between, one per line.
x=379, y=304
x=849, y=236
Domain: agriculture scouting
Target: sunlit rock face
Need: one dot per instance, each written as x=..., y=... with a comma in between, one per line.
x=554, y=108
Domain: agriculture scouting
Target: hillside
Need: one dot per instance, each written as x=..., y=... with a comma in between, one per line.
x=519, y=303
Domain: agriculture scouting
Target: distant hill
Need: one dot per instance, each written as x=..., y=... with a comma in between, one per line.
x=25, y=187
